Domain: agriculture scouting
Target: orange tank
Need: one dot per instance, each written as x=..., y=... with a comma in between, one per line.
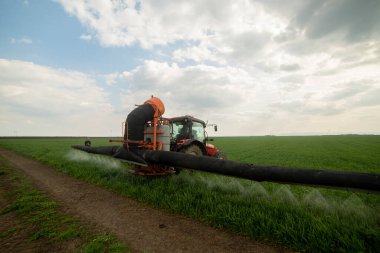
x=157, y=104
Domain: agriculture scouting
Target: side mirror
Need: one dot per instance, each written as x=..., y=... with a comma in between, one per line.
x=216, y=128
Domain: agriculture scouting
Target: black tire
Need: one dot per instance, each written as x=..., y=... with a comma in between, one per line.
x=220, y=155
x=192, y=150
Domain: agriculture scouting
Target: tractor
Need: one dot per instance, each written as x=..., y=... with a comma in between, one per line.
x=188, y=135
x=158, y=146
x=146, y=129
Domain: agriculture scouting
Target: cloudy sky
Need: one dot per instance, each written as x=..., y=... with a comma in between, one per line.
x=254, y=67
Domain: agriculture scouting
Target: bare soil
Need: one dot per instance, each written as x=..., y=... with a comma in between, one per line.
x=142, y=227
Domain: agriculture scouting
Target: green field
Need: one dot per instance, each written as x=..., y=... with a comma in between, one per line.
x=306, y=218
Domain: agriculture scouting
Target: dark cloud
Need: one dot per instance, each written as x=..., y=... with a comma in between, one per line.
x=290, y=67
x=371, y=98
x=353, y=20
x=281, y=9
x=349, y=90
x=265, y=66
x=300, y=79
x=247, y=45
x=289, y=35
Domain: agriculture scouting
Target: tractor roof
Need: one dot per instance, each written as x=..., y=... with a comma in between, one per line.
x=186, y=117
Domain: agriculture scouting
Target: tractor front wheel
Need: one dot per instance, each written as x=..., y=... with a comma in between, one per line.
x=220, y=155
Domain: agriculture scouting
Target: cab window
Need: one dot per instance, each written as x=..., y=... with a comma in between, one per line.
x=198, y=132
x=180, y=131
x=175, y=127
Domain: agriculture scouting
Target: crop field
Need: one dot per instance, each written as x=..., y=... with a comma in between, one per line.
x=303, y=218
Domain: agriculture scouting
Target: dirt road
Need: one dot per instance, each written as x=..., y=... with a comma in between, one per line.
x=142, y=227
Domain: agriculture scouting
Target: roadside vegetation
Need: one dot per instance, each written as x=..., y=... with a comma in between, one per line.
x=42, y=217
x=307, y=218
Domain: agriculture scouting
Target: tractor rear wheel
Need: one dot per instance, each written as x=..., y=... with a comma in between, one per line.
x=192, y=150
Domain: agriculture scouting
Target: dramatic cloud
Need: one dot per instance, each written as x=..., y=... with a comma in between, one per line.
x=226, y=94
x=194, y=89
x=349, y=19
x=149, y=23
x=253, y=67
x=266, y=34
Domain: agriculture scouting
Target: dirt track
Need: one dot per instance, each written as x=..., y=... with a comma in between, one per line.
x=143, y=228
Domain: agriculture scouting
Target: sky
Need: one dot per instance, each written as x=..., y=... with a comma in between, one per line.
x=253, y=67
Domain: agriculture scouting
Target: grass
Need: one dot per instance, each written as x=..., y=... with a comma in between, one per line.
x=302, y=218
x=351, y=153
x=35, y=209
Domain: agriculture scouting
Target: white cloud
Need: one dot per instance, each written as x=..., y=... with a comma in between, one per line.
x=233, y=32
x=23, y=40
x=195, y=90
x=38, y=100
x=242, y=103
x=86, y=37
x=198, y=54
x=253, y=67
x=122, y=23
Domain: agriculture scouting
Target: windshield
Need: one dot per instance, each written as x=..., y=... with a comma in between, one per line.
x=181, y=131
x=198, y=132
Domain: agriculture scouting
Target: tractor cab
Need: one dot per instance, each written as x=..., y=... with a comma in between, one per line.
x=187, y=128
x=188, y=135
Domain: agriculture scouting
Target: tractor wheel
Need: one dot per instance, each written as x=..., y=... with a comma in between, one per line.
x=220, y=155
x=192, y=150
x=87, y=143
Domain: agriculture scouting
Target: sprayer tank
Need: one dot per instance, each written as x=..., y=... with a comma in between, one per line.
x=163, y=136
